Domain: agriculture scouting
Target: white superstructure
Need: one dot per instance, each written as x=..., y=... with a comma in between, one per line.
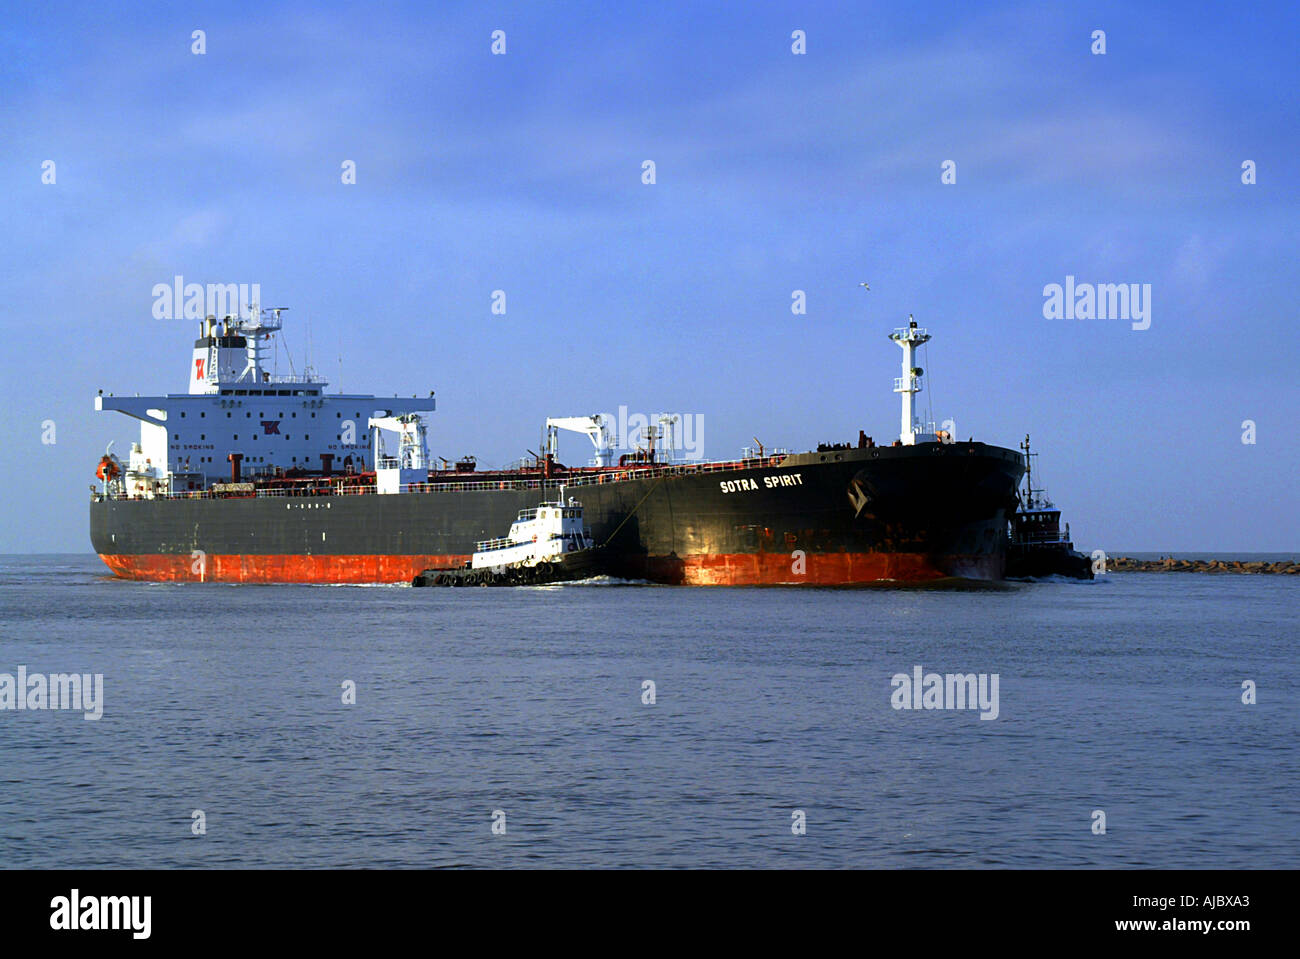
x=538, y=535
x=240, y=420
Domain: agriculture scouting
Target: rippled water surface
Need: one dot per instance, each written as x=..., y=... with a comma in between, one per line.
x=1122, y=695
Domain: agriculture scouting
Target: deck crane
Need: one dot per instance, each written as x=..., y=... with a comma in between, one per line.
x=592, y=426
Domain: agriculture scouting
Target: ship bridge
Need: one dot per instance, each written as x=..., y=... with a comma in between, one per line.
x=240, y=420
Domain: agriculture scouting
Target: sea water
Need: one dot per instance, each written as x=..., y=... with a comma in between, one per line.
x=625, y=725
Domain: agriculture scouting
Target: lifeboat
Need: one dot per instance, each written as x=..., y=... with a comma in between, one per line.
x=108, y=470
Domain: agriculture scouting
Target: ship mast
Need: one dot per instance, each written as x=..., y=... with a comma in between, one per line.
x=1029, y=482
x=1030, y=501
x=909, y=384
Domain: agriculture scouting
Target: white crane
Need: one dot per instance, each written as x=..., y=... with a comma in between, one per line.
x=592, y=426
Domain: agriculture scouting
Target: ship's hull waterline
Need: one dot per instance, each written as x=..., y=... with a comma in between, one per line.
x=832, y=518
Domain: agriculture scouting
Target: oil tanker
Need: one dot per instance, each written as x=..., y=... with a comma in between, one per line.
x=254, y=476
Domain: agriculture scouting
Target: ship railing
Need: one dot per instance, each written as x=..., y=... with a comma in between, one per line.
x=294, y=378
x=268, y=379
x=1046, y=538
x=482, y=485
x=909, y=333
x=595, y=478
x=259, y=494
x=749, y=453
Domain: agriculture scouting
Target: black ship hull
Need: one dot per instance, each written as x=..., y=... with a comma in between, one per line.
x=836, y=517
x=1038, y=561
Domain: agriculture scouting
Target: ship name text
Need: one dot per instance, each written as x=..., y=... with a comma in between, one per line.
x=769, y=482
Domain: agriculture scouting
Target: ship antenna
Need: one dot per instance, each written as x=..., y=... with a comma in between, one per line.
x=929, y=396
x=1029, y=470
x=288, y=355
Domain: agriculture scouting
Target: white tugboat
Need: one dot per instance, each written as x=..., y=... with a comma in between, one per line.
x=546, y=544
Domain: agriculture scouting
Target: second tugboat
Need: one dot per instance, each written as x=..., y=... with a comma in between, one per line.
x=1037, y=546
x=549, y=544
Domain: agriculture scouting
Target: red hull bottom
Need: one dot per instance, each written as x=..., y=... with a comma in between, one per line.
x=735, y=569
x=829, y=569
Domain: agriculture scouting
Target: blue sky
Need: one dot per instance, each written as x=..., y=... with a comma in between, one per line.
x=775, y=173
